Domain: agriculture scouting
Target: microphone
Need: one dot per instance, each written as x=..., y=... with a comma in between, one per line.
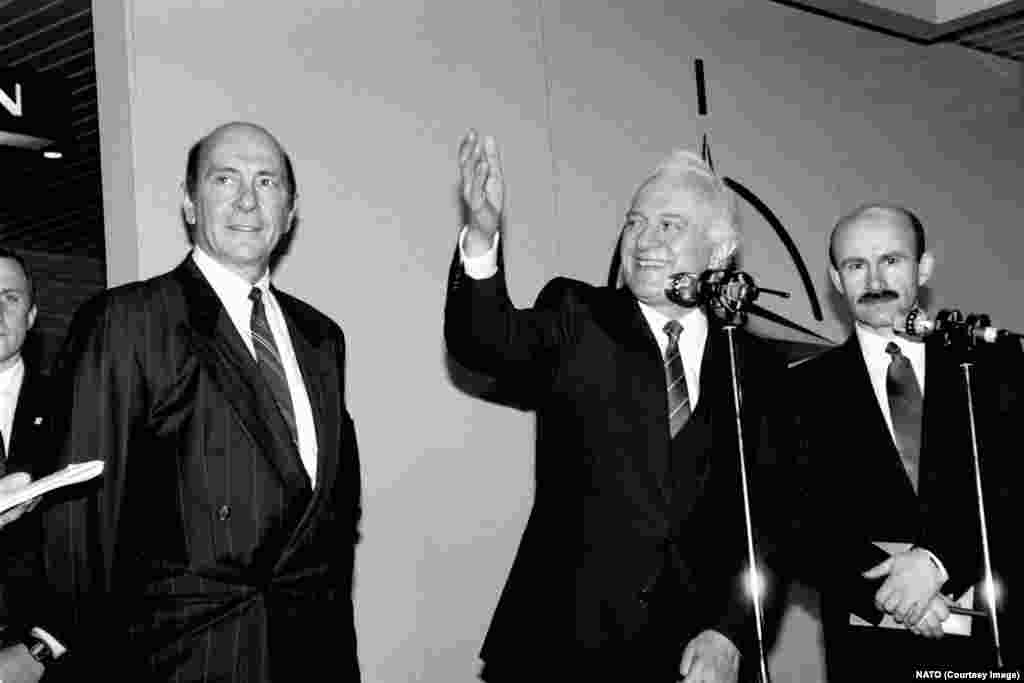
x=919, y=324
x=729, y=289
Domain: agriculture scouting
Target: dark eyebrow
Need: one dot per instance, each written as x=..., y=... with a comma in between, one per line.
x=852, y=259
x=220, y=169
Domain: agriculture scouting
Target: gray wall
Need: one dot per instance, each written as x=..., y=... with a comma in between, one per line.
x=585, y=97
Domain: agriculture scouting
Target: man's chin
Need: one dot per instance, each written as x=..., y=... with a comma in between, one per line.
x=876, y=319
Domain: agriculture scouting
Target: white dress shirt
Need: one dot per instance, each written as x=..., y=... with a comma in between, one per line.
x=10, y=388
x=233, y=292
x=872, y=345
x=691, y=339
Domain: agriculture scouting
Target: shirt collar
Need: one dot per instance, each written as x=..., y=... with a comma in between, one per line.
x=694, y=322
x=872, y=345
x=228, y=284
x=10, y=379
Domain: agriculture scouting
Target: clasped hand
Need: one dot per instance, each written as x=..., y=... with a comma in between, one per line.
x=911, y=587
x=710, y=658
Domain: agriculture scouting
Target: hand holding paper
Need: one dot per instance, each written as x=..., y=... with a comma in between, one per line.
x=912, y=580
x=9, y=484
x=15, y=489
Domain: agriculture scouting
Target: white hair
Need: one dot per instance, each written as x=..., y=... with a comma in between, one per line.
x=685, y=169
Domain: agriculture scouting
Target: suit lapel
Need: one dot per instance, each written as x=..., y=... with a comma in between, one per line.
x=222, y=352
x=877, y=439
x=29, y=427
x=319, y=373
x=641, y=370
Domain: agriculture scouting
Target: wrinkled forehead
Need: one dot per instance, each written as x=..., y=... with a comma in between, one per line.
x=876, y=230
x=242, y=145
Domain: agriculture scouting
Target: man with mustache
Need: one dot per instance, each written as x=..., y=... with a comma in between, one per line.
x=631, y=564
x=886, y=459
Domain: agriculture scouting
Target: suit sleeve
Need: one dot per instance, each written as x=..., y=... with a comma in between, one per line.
x=818, y=558
x=486, y=333
x=103, y=401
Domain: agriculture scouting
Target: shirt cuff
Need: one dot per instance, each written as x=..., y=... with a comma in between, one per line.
x=56, y=647
x=483, y=266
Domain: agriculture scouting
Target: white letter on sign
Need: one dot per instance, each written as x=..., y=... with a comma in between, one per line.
x=13, y=107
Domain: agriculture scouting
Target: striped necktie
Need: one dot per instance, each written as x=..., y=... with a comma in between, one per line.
x=675, y=379
x=905, y=405
x=269, y=361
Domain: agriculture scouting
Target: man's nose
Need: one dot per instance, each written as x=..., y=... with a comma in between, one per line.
x=246, y=199
x=876, y=280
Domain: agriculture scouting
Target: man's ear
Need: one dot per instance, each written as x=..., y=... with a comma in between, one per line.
x=837, y=281
x=925, y=266
x=293, y=215
x=32, y=316
x=722, y=254
x=188, y=207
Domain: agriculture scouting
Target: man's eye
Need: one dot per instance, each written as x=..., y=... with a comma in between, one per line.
x=671, y=225
x=222, y=179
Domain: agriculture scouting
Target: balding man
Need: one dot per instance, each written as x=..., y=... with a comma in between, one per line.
x=631, y=565
x=219, y=544
x=890, y=518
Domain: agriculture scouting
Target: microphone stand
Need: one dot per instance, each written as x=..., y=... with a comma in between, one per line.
x=730, y=326
x=730, y=303
x=960, y=335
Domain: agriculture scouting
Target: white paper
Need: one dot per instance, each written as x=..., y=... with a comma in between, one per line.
x=72, y=474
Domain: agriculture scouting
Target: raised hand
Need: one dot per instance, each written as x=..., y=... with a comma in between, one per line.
x=483, y=186
x=710, y=658
x=912, y=580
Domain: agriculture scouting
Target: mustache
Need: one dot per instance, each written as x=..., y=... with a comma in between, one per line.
x=881, y=295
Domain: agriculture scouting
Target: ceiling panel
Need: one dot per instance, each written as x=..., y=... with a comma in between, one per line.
x=54, y=206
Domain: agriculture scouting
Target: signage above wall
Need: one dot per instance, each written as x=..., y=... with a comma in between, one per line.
x=33, y=109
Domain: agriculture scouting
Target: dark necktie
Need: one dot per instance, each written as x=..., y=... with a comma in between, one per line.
x=675, y=378
x=269, y=361
x=905, y=405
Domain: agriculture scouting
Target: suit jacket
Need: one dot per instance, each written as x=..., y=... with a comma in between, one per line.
x=203, y=553
x=855, y=492
x=31, y=449
x=619, y=512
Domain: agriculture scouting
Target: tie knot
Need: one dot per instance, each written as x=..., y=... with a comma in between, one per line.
x=256, y=295
x=673, y=329
x=893, y=349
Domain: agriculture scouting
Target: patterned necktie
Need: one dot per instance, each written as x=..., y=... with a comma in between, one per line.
x=905, y=405
x=269, y=361
x=675, y=379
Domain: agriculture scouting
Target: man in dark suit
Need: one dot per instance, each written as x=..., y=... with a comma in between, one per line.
x=632, y=563
x=26, y=450
x=219, y=544
x=885, y=464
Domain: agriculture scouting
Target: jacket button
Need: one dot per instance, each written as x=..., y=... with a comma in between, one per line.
x=223, y=512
